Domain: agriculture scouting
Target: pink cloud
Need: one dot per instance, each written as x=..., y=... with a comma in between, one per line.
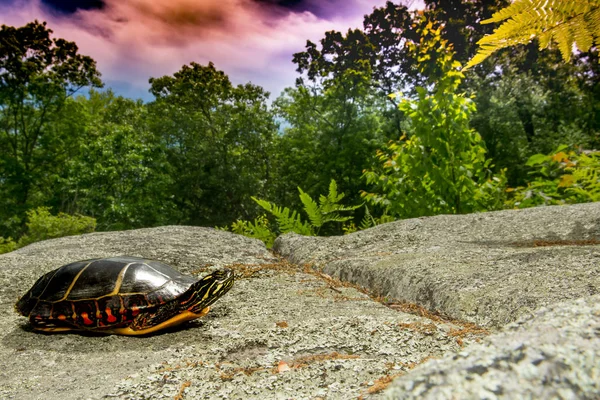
x=133, y=40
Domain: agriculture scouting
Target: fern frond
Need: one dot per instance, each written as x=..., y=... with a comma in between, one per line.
x=287, y=221
x=318, y=214
x=267, y=205
x=368, y=221
x=340, y=207
x=258, y=230
x=565, y=22
x=328, y=203
x=335, y=217
x=312, y=209
x=583, y=37
x=333, y=195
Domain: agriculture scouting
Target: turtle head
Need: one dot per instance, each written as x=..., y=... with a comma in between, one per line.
x=208, y=290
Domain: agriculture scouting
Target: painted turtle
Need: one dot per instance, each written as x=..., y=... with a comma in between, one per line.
x=120, y=295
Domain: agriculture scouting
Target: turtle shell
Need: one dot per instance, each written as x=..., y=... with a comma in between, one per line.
x=101, y=293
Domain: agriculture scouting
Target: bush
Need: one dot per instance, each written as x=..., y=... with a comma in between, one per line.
x=327, y=211
x=439, y=166
x=7, y=245
x=566, y=176
x=41, y=225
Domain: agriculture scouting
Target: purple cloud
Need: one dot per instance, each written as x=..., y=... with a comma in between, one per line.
x=250, y=40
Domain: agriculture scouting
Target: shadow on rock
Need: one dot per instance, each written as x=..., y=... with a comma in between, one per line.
x=24, y=337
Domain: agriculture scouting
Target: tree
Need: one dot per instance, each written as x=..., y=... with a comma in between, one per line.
x=461, y=22
x=37, y=74
x=217, y=139
x=439, y=166
x=119, y=173
x=332, y=134
x=528, y=99
x=378, y=50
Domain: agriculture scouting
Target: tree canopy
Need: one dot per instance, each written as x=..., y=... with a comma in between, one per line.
x=381, y=123
x=37, y=74
x=217, y=138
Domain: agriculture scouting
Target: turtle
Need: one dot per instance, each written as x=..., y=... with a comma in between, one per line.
x=119, y=295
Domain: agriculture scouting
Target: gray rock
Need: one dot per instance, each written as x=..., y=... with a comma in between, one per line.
x=484, y=268
x=278, y=333
x=286, y=331
x=554, y=354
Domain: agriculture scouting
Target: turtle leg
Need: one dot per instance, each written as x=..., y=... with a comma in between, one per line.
x=175, y=320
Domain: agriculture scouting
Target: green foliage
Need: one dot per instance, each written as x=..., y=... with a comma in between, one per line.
x=332, y=134
x=258, y=229
x=566, y=176
x=441, y=167
x=328, y=209
x=514, y=121
x=287, y=220
x=37, y=74
x=7, y=245
x=119, y=173
x=42, y=225
x=325, y=212
x=566, y=22
x=198, y=153
x=217, y=139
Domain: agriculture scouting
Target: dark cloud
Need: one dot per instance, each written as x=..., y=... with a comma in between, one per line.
x=320, y=8
x=72, y=6
x=294, y=5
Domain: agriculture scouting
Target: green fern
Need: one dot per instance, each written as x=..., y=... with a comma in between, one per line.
x=288, y=221
x=369, y=221
x=312, y=209
x=332, y=197
x=328, y=209
x=585, y=181
x=330, y=204
x=259, y=229
x=565, y=22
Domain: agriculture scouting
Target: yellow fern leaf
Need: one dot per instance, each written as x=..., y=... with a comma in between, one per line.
x=563, y=38
x=582, y=35
x=565, y=22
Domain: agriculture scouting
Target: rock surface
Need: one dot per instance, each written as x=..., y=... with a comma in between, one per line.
x=488, y=268
x=279, y=332
x=554, y=354
x=289, y=331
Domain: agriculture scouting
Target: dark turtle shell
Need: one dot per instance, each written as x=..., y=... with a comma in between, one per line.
x=111, y=292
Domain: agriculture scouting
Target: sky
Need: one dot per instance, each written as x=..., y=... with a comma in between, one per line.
x=133, y=40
